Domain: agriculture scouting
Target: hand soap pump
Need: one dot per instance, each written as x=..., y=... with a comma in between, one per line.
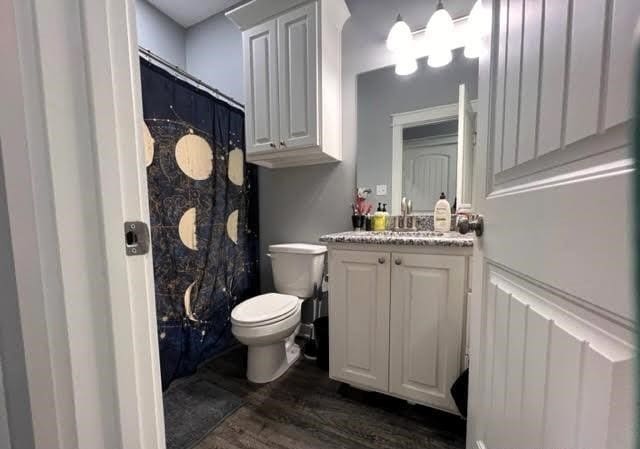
x=442, y=215
x=379, y=219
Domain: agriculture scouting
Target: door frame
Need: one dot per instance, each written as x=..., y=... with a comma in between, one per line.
x=476, y=312
x=401, y=120
x=74, y=172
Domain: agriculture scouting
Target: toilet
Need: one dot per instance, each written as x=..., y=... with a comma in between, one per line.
x=269, y=323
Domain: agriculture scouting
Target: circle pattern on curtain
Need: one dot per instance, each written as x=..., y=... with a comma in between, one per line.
x=194, y=157
x=149, y=143
x=232, y=226
x=236, y=166
x=187, y=229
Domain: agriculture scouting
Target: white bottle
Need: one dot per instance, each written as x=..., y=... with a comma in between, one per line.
x=442, y=215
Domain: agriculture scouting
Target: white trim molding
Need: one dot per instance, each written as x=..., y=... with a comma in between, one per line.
x=73, y=173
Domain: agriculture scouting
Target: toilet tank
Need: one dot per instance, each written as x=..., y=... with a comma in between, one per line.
x=297, y=268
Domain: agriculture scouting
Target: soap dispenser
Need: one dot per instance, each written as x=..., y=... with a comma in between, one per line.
x=442, y=215
x=379, y=219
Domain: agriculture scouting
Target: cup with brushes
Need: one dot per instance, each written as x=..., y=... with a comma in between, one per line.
x=361, y=217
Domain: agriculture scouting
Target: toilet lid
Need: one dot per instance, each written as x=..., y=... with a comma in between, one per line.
x=263, y=308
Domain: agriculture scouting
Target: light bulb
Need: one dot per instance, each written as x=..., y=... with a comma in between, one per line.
x=473, y=45
x=399, y=36
x=439, y=58
x=406, y=65
x=439, y=37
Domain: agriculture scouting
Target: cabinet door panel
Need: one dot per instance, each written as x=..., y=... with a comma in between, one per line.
x=297, y=77
x=427, y=318
x=359, y=317
x=261, y=87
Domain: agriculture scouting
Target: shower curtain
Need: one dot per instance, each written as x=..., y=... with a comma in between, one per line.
x=204, y=215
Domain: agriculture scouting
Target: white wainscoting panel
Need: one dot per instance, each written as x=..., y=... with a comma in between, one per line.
x=553, y=379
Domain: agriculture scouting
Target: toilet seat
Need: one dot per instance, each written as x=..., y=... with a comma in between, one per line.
x=264, y=309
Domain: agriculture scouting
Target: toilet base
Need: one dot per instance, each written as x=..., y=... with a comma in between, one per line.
x=268, y=362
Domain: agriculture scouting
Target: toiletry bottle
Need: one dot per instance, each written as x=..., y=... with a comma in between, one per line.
x=442, y=215
x=378, y=219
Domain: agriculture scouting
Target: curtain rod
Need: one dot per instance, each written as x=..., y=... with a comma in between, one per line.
x=149, y=54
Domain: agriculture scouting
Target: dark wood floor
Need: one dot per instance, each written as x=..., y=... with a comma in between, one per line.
x=304, y=409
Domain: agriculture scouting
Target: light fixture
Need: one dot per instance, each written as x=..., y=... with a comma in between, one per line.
x=400, y=36
x=406, y=63
x=439, y=37
x=473, y=44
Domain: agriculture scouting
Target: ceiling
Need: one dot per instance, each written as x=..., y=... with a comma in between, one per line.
x=189, y=12
x=379, y=15
x=416, y=12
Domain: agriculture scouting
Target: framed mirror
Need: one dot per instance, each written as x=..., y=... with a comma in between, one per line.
x=416, y=134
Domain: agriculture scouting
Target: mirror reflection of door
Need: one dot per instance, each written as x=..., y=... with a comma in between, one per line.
x=429, y=164
x=429, y=97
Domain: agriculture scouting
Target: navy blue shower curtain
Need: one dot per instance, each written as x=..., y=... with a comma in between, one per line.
x=204, y=214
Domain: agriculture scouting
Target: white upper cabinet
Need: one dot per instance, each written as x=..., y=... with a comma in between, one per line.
x=298, y=80
x=292, y=80
x=261, y=87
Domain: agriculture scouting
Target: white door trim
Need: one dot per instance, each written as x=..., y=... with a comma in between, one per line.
x=71, y=148
x=410, y=119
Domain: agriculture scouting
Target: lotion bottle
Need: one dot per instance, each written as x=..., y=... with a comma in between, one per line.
x=442, y=215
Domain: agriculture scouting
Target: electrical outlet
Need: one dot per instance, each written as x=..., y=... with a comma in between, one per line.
x=381, y=189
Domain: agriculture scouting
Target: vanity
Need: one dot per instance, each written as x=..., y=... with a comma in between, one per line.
x=397, y=312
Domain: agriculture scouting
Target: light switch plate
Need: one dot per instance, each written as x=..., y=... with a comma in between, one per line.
x=381, y=189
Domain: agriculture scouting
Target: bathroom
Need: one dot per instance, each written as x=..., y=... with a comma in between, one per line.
x=347, y=223
x=193, y=373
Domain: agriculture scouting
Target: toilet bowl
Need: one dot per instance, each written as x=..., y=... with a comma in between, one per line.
x=268, y=324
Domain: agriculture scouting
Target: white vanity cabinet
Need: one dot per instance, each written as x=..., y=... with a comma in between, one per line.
x=359, y=285
x=397, y=320
x=292, y=80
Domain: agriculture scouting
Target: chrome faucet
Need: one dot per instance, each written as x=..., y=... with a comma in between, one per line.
x=405, y=222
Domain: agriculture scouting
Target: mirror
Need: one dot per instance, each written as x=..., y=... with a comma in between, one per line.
x=416, y=134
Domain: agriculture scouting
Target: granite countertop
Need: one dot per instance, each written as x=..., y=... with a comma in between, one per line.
x=414, y=238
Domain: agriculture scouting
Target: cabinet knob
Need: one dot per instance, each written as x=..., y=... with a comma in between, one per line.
x=272, y=145
x=381, y=260
x=282, y=144
x=398, y=261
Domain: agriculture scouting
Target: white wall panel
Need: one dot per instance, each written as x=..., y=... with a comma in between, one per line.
x=585, y=69
x=552, y=382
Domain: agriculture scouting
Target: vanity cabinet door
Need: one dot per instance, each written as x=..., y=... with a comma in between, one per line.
x=261, y=87
x=359, y=318
x=298, y=77
x=427, y=316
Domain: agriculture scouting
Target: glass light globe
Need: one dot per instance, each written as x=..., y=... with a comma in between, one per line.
x=439, y=37
x=439, y=58
x=406, y=65
x=473, y=45
x=400, y=36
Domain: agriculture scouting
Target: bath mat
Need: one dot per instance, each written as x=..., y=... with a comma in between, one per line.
x=193, y=407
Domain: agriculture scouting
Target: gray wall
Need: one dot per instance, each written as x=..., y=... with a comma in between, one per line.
x=214, y=54
x=4, y=421
x=382, y=93
x=160, y=34
x=15, y=409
